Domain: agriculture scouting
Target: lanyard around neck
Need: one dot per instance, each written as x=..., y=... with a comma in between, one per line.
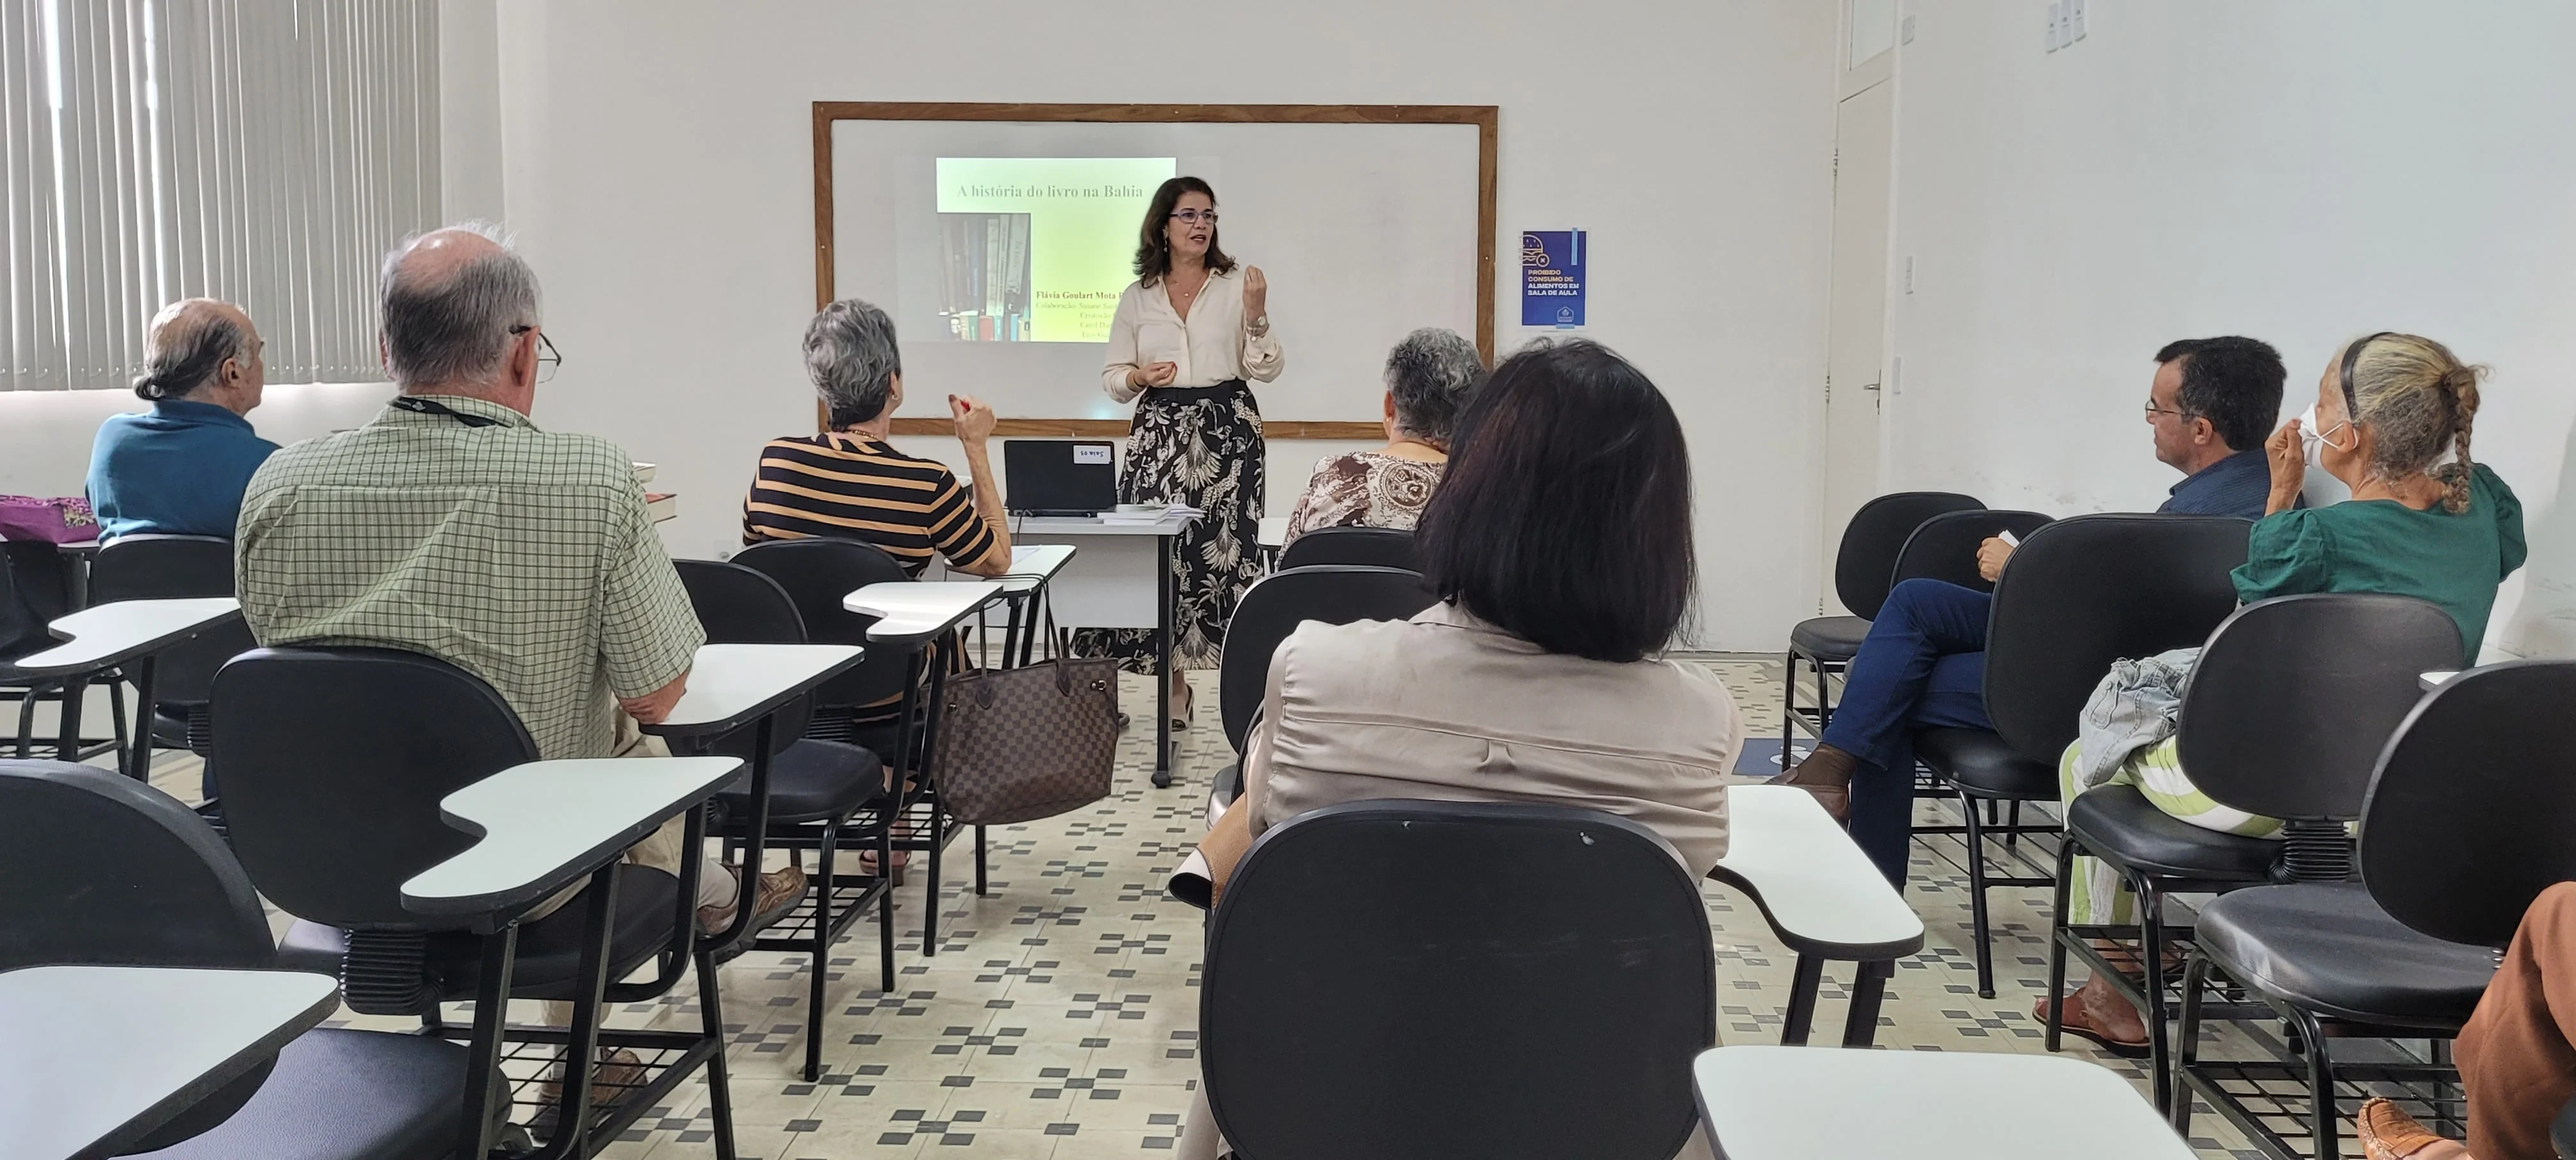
x=420, y=406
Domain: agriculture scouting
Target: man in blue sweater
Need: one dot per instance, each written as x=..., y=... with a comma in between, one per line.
x=1923, y=664
x=180, y=468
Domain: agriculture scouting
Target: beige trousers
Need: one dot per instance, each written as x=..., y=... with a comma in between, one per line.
x=660, y=850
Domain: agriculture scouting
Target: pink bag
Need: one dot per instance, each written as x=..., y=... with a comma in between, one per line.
x=61, y=520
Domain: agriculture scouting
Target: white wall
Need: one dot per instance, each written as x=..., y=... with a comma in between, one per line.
x=658, y=166
x=2303, y=172
x=45, y=436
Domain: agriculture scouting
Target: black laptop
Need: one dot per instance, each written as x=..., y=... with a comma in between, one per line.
x=1060, y=477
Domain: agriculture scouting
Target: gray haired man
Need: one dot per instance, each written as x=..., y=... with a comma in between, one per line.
x=451, y=525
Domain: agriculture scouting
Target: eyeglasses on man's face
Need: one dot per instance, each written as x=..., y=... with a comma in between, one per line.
x=1194, y=216
x=548, y=358
x=2179, y=416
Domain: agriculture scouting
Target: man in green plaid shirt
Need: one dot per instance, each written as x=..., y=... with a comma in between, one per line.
x=451, y=525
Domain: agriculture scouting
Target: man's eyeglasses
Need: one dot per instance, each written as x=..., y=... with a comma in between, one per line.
x=548, y=358
x=1194, y=216
x=2153, y=410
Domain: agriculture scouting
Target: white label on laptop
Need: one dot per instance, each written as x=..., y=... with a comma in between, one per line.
x=1091, y=453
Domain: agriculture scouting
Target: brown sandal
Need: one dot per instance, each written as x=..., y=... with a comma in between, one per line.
x=2075, y=1020
x=1835, y=798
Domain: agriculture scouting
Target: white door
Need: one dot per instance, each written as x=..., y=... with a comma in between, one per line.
x=1855, y=329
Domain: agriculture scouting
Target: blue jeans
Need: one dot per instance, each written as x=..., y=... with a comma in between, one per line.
x=1922, y=666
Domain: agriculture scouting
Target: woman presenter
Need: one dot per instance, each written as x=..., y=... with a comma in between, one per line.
x=1188, y=334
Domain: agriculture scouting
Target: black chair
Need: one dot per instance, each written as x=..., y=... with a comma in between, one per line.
x=2080, y=594
x=2466, y=821
x=1273, y=608
x=36, y=588
x=1945, y=549
x=107, y=871
x=1371, y=547
x=817, y=574
x=2286, y=710
x=1864, y=569
x=155, y=567
x=335, y=761
x=821, y=793
x=1401, y=979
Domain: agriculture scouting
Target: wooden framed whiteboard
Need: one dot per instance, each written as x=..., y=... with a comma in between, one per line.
x=1355, y=171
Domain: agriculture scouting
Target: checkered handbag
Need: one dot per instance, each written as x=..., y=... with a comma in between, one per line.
x=1026, y=743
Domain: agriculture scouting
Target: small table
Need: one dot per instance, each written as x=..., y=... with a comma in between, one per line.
x=96, y=1057
x=545, y=825
x=1822, y=897
x=1024, y=587
x=1805, y=1103
x=1108, y=587
x=109, y=636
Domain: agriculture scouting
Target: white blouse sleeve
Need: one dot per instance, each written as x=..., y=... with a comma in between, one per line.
x=1262, y=358
x=1122, y=349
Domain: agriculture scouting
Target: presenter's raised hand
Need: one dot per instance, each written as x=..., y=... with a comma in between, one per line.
x=1256, y=296
x=972, y=417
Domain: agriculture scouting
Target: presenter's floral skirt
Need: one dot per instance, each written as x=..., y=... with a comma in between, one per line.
x=1199, y=446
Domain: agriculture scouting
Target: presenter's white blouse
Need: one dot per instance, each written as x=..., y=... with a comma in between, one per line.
x=1213, y=345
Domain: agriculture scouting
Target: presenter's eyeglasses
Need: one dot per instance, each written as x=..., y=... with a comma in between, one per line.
x=1194, y=216
x=548, y=358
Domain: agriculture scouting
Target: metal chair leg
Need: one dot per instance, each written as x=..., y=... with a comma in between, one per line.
x=1788, y=706
x=2058, y=933
x=1807, y=979
x=1977, y=919
x=885, y=908
x=2151, y=956
x=822, y=953
x=719, y=1090
x=2186, y=1048
x=2325, y=1140
x=980, y=891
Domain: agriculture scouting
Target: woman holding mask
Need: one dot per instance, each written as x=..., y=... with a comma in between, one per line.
x=1188, y=334
x=2389, y=408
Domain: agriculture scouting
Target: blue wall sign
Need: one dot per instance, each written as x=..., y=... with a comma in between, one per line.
x=1552, y=278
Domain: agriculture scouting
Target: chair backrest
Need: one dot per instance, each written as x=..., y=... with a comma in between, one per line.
x=2293, y=699
x=1865, y=564
x=158, y=567
x=2474, y=802
x=104, y=869
x=1409, y=978
x=1274, y=607
x=1944, y=548
x=335, y=760
x=1375, y=547
x=816, y=575
x=737, y=605
x=2084, y=592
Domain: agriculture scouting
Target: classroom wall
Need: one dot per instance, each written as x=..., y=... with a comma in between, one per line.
x=45, y=436
x=657, y=159
x=2304, y=172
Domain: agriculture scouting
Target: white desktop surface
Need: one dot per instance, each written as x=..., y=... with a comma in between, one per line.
x=1050, y=526
x=107, y=633
x=85, y=1050
x=727, y=681
x=539, y=818
x=1032, y=565
x=1827, y=1103
x=1813, y=881
x=918, y=610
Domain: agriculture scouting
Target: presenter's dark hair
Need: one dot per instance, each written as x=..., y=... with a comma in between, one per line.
x=1154, y=251
x=2233, y=382
x=1564, y=516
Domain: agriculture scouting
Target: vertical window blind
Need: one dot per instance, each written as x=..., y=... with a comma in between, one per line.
x=265, y=152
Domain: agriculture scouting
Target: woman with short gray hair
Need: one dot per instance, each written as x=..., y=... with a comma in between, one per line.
x=1429, y=378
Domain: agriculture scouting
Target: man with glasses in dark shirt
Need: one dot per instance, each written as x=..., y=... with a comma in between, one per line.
x=1923, y=664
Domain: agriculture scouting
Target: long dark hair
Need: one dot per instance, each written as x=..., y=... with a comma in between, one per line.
x=1564, y=516
x=1154, y=252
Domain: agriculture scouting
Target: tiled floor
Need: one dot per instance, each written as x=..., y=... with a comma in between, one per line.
x=1058, y=1018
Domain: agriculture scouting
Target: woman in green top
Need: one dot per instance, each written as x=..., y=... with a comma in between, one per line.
x=2388, y=409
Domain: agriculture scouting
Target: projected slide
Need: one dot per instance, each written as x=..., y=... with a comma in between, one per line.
x=1037, y=249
